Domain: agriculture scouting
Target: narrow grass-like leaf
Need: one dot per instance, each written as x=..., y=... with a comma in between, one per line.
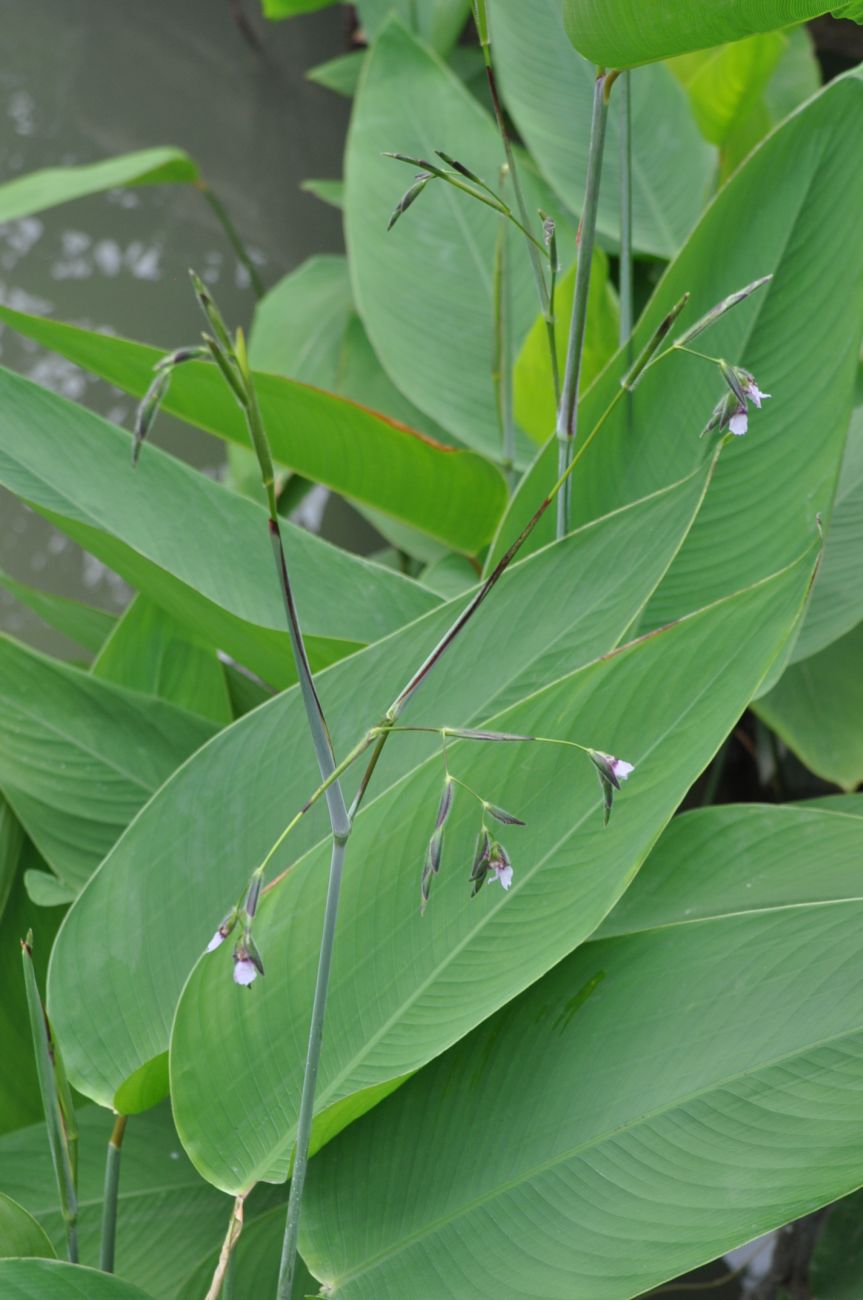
x=46, y=189
x=85, y=624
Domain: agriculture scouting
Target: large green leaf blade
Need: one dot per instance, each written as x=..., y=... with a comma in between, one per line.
x=198, y=550
x=623, y=33
x=247, y=784
x=589, y=1147
x=790, y=199
x=404, y=987
x=45, y=189
x=51, y=1279
x=437, y=22
x=449, y=492
x=79, y=757
x=85, y=624
x=20, y=1234
x=548, y=88
x=424, y=289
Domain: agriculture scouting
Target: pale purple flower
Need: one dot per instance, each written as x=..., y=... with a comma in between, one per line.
x=244, y=971
x=739, y=422
x=218, y=938
x=502, y=872
x=620, y=767
x=753, y=392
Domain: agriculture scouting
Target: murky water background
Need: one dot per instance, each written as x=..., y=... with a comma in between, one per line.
x=83, y=81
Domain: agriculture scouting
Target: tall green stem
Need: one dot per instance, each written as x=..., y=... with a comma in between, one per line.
x=109, y=1203
x=233, y=236
x=626, y=292
x=567, y=411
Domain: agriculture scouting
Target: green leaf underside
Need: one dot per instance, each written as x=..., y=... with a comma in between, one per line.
x=198, y=550
x=355, y=451
x=403, y=987
x=724, y=84
x=817, y=709
x=424, y=289
x=790, y=198
x=52, y=1279
x=623, y=33
x=79, y=622
x=708, y=1089
x=54, y=185
x=168, y=1218
x=79, y=757
x=247, y=784
x=149, y=651
x=548, y=88
x=20, y=1234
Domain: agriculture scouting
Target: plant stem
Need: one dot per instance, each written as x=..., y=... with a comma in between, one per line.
x=626, y=294
x=112, y=1187
x=232, y=235
x=546, y=297
x=501, y=362
x=235, y=1227
x=567, y=411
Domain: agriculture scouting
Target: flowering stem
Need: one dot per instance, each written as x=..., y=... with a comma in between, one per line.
x=546, y=297
x=233, y=236
x=567, y=411
x=109, y=1203
x=626, y=275
x=501, y=363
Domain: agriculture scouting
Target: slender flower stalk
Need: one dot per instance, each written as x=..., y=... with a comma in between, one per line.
x=544, y=293
x=626, y=278
x=109, y=1203
x=567, y=411
x=233, y=235
x=502, y=358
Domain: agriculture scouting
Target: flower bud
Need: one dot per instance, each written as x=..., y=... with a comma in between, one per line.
x=712, y=316
x=147, y=411
x=479, y=871
x=409, y=196
x=611, y=772
x=501, y=815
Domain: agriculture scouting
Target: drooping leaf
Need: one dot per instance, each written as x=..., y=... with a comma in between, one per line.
x=467, y=954
x=201, y=552
x=437, y=22
x=259, y=771
x=624, y=33
x=20, y=1234
x=424, y=290
x=79, y=757
x=791, y=199
x=816, y=707
x=548, y=88
x=149, y=651
x=355, y=451
x=533, y=387
x=85, y=624
x=54, y=185
x=590, y=1147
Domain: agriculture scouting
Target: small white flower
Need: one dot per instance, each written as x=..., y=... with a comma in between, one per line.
x=244, y=971
x=502, y=872
x=620, y=767
x=218, y=938
x=753, y=392
x=739, y=423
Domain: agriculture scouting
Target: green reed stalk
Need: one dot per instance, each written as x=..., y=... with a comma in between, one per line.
x=567, y=411
x=233, y=236
x=109, y=1203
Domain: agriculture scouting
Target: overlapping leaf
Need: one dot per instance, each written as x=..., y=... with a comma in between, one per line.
x=687, y=1081
x=198, y=550
x=248, y=783
x=51, y=1279
x=46, y=189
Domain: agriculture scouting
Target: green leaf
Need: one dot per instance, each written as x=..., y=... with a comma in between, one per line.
x=290, y=8
x=724, y=83
x=20, y=1234
x=216, y=576
x=437, y=22
x=449, y=576
x=837, y=1261
x=331, y=192
x=424, y=290
x=79, y=622
x=792, y=201
x=248, y=782
x=587, y=1148
x=11, y=843
x=340, y=75
x=816, y=707
x=46, y=890
x=366, y=456
x=79, y=757
x=624, y=33
x=467, y=955
x=54, y=185
x=549, y=91
x=52, y=1279
x=19, y=1087
x=306, y=329
x=837, y=597
x=168, y=1218
x=533, y=387
x=797, y=75
x=149, y=651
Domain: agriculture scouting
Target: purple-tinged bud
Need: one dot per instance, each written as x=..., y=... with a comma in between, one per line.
x=253, y=894
x=712, y=316
x=501, y=815
x=469, y=733
x=611, y=772
x=148, y=410
x=409, y=196
x=179, y=356
x=460, y=168
x=446, y=802
x=734, y=380
x=479, y=871
x=211, y=311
